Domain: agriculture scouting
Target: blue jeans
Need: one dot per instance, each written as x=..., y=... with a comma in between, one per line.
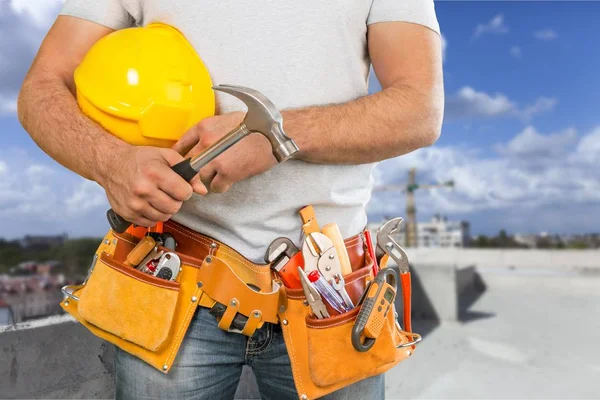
x=209, y=365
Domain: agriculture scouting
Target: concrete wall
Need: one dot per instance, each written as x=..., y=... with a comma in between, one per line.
x=506, y=258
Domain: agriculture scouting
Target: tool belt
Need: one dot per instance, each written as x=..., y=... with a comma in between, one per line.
x=148, y=317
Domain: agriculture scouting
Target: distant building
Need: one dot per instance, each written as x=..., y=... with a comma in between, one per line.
x=42, y=242
x=30, y=296
x=438, y=232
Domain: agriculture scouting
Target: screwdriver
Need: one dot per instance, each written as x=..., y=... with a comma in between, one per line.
x=328, y=292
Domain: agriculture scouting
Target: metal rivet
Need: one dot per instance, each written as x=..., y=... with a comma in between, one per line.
x=328, y=268
x=281, y=308
x=66, y=302
x=305, y=302
x=256, y=314
x=331, y=256
x=114, y=241
x=208, y=259
x=199, y=284
x=233, y=303
x=194, y=299
x=285, y=322
x=409, y=353
x=213, y=245
x=106, y=241
x=304, y=397
x=165, y=367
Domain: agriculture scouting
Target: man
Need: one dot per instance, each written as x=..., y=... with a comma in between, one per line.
x=311, y=58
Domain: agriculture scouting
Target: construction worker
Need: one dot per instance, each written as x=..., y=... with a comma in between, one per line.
x=311, y=58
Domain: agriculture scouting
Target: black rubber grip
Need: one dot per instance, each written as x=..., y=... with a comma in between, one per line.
x=117, y=223
x=185, y=170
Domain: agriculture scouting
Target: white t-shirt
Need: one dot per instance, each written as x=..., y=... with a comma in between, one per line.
x=298, y=53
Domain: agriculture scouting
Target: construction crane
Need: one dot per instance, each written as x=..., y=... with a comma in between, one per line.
x=410, y=233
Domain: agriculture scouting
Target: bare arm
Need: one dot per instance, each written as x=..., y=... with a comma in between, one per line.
x=47, y=107
x=138, y=181
x=404, y=116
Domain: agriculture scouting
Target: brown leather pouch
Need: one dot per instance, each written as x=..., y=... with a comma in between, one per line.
x=321, y=352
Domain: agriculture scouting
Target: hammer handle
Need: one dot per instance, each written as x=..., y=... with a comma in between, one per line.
x=188, y=168
x=120, y=224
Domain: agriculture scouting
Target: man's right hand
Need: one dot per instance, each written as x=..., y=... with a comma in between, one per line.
x=142, y=188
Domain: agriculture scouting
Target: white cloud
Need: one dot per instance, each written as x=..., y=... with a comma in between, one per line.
x=541, y=105
x=469, y=103
x=39, y=196
x=495, y=25
x=515, y=51
x=545, y=34
x=529, y=144
x=557, y=170
x=8, y=105
x=23, y=25
x=444, y=47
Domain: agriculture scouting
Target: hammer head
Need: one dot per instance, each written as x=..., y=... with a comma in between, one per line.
x=263, y=117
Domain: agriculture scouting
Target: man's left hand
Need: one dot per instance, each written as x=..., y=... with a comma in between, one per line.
x=252, y=156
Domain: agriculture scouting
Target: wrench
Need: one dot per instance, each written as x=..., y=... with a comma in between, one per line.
x=387, y=245
x=285, y=258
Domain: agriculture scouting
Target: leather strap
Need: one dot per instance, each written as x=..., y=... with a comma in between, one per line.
x=309, y=219
x=198, y=246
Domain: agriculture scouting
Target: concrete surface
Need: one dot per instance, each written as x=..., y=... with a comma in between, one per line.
x=532, y=334
x=509, y=258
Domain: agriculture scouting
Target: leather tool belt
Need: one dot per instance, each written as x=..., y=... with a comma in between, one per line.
x=148, y=316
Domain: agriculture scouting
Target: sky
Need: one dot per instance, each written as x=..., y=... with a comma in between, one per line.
x=521, y=134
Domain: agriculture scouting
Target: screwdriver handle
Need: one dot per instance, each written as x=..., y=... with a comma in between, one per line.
x=120, y=224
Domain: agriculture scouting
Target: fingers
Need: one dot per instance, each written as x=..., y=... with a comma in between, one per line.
x=187, y=141
x=198, y=186
x=220, y=184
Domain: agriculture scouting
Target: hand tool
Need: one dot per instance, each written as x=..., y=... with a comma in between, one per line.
x=319, y=254
x=148, y=264
x=309, y=220
x=387, y=245
x=285, y=258
x=327, y=292
x=140, y=251
x=332, y=231
x=339, y=284
x=374, y=306
x=262, y=117
x=168, y=266
x=168, y=241
x=312, y=296
x=370, y=248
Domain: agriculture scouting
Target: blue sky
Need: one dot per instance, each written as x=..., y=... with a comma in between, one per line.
x=521, y=136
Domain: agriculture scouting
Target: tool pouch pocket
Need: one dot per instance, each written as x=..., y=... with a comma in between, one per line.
x=130, y=304
x=321, y=352
x=139, y=313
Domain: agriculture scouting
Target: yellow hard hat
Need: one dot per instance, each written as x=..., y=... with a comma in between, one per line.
x=145, y=85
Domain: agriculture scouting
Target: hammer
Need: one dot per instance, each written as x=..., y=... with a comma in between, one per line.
x=262, y=117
